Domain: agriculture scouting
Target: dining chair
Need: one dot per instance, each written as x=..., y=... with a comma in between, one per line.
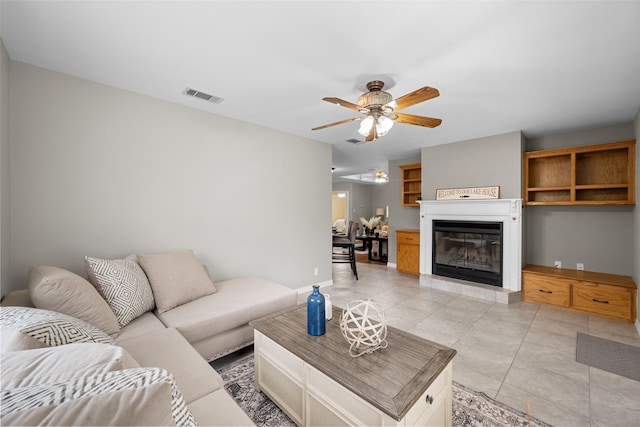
x=347, y=242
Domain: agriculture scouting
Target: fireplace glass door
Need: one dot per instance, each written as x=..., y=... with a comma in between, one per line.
x=468, y=250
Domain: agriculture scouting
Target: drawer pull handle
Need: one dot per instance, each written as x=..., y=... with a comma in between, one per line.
x=546, y=292
x=429, y=399
x=409, y=238
x=601, y=301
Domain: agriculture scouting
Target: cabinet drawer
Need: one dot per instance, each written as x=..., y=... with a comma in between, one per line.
x=546, y=290
x=431, y=400
x=406, y=237
x=608, y=301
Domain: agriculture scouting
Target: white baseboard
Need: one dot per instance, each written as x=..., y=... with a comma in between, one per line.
x=307, y=289
x=638, y=326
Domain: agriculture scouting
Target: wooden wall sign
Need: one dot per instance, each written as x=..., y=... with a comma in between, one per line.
x=468, y=193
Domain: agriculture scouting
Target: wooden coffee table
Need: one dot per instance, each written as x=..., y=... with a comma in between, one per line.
x=316, y=382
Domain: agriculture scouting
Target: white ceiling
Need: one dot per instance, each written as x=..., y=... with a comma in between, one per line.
x=541, y=67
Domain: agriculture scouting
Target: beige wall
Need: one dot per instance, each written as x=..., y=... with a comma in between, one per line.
x=104, y=172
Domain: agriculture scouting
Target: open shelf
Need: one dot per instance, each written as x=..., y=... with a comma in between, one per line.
x=411, y=184
x=587, y=175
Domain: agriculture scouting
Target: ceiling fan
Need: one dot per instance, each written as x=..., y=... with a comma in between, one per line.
x=381, y=110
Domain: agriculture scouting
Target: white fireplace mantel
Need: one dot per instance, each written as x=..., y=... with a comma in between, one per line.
x=506, y=211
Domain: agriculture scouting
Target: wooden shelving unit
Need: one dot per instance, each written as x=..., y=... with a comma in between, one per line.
x=602, y=174
x=411, y=184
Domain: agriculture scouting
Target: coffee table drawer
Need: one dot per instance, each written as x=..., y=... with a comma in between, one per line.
x=431, y=404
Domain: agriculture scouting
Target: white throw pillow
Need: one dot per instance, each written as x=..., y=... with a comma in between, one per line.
x=56, y=289
x=176, y=278
x=27, y=368
x=141, y=396
x=32, y=327
x=123, y=284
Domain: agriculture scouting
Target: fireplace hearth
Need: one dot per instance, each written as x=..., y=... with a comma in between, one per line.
x=468, y=250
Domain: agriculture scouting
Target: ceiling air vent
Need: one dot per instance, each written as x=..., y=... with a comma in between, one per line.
x=355, y=141
x=202, y=95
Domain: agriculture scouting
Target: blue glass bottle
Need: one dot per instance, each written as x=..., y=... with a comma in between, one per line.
x=316, y=312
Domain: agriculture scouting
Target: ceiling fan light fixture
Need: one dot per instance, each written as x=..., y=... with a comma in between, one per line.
x=382, y=177
x=365, y=126
x=384, y=125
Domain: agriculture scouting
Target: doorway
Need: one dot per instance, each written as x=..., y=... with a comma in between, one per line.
x=339, y=207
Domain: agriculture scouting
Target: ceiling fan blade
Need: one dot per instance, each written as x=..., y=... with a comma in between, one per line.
x=337, y=123
x=415, y=97
x=373, y=134
x=343, y=103
x=410, y=119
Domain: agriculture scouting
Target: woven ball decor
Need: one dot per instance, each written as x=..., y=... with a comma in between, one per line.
x=364, y=326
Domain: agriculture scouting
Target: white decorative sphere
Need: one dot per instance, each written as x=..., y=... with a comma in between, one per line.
x=364, y=326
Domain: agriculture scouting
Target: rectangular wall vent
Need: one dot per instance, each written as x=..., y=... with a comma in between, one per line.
x=355, y=141
x=202, y=95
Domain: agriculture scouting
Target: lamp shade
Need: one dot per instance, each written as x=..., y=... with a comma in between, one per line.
x=379, y=211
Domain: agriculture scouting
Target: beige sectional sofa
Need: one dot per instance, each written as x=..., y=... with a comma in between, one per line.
x=165, y=348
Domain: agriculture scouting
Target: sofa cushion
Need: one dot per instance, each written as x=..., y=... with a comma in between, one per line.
x=140, y=326
x=206, y=411
x=57, y=289
x=123, y=284
x=176, y=278
x=56, y=364
x=167, y=349
x=20, y=297
x=140, y=396
x=32, y=327
x=236, y=303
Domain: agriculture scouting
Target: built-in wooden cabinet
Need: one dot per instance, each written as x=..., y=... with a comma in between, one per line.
x=408, y=251
x=600, y=294
x=602, y=174
x=411, y=184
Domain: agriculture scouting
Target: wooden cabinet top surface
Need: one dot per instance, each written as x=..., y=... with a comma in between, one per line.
x=588, y=276
x=391, y=379
x=412, y=166
x=408, y=230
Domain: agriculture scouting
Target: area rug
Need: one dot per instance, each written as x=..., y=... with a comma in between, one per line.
x=611, y=356
x=470, y=408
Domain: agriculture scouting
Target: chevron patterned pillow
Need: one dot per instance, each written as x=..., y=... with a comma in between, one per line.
x=138, y=396
x=123, y=284
x=26, y=327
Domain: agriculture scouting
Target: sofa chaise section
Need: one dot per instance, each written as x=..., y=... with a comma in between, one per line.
x=218, y=324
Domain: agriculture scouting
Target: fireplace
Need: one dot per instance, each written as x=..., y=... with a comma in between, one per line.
x=468, y=250
x=507, y=213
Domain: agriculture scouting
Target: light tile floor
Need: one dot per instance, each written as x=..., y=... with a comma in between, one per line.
x=518, y=354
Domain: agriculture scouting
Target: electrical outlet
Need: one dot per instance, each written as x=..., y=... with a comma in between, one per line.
x=315, y=271
x=580, y=266
x=557, y=264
